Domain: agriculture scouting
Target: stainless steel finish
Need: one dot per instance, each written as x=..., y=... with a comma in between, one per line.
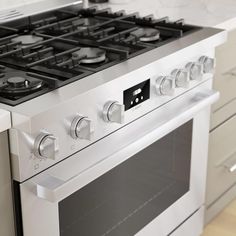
x=207, y=63
x=52, y=112
x=193, y=224
x=49, y=101
x=195, y=70
x=165, y=86
x=81, y=128
x=92, y=55
x=232, y=168
x=27, y=39
x=93, y=60
x=181, y=77
x=46, y=146
x=186, y=46
x=57, y=120
x=48, y=176
x=114, y=112
x=54, y=190
x=150, y=38
x=92, y=162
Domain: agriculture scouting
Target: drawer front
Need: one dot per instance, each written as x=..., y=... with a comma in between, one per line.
x=226, y=54
x=193, y=226
x=222, y=157
x=226, y=85
x=224, y=113
x=225, y=76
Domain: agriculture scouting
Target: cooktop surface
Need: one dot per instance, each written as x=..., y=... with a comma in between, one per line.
x=46, y=51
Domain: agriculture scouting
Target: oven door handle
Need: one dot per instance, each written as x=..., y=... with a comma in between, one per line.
x=53, y=189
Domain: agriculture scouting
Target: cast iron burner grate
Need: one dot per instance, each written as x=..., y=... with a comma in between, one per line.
x=61, y=46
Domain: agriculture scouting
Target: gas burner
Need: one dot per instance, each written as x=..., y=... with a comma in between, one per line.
x=89, y=55
x=84, y=23
x=28, y=40
x=66, y=45
x=16, y=85
x=17, y=82
x=147, y=34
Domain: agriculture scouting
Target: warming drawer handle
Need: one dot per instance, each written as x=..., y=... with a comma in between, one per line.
x=232, y=168
x=230, y=163
x=53, y=189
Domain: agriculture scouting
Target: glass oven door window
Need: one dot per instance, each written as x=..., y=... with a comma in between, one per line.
x=131, y=195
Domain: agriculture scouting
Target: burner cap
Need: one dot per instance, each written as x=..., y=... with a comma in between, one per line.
x=27, y=40
x=84, y=23
x=89, y=55
x=17, y=85
x=147, y=34
x=17, y=82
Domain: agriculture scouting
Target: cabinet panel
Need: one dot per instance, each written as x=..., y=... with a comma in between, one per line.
x=225, y=78
x=222, y=151
x=6, y=207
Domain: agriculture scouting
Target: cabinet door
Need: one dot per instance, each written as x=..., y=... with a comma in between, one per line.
x=225, y=81
x=222, y=156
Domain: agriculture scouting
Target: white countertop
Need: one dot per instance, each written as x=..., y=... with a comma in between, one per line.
x=5, y=120
x=213, y=13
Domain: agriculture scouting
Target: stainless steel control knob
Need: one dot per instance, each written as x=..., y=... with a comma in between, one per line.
x=207, y=63
x=82, y=128
x=114, y=112
x=195, y=70
x=165, y=86
x=46, y=146
x=181, y=77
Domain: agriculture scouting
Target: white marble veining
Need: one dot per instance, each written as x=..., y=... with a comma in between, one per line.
x=214, y=13
x=5, y=120
x=7, y=4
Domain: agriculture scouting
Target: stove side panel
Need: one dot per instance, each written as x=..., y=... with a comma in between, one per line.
x=6, y=204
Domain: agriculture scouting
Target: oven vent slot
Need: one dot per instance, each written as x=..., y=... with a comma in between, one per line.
x=8, y=15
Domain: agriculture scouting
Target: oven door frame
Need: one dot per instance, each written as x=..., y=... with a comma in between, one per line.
x=41, y=194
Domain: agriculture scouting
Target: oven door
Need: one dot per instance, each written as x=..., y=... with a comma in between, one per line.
x=144, y=179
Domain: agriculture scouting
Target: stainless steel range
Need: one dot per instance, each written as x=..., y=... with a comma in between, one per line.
x=110, y=120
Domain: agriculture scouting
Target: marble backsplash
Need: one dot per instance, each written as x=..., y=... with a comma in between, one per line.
x=6, y=4
x=199, y=12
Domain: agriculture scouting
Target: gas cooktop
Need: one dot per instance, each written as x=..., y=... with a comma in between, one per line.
x=46, y=51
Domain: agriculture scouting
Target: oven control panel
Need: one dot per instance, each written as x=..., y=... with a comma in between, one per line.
x=136, y=94
x=95, y=114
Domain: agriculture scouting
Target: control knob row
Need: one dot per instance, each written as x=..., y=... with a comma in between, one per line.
x=180, y=78
x=46, y=145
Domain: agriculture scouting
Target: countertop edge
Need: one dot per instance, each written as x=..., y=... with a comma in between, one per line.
x=228, y=25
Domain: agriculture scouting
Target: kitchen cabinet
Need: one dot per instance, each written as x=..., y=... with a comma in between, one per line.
x=225, y=81
x=221, y=183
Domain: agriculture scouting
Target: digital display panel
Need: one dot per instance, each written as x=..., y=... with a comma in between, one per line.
x=137, y=94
